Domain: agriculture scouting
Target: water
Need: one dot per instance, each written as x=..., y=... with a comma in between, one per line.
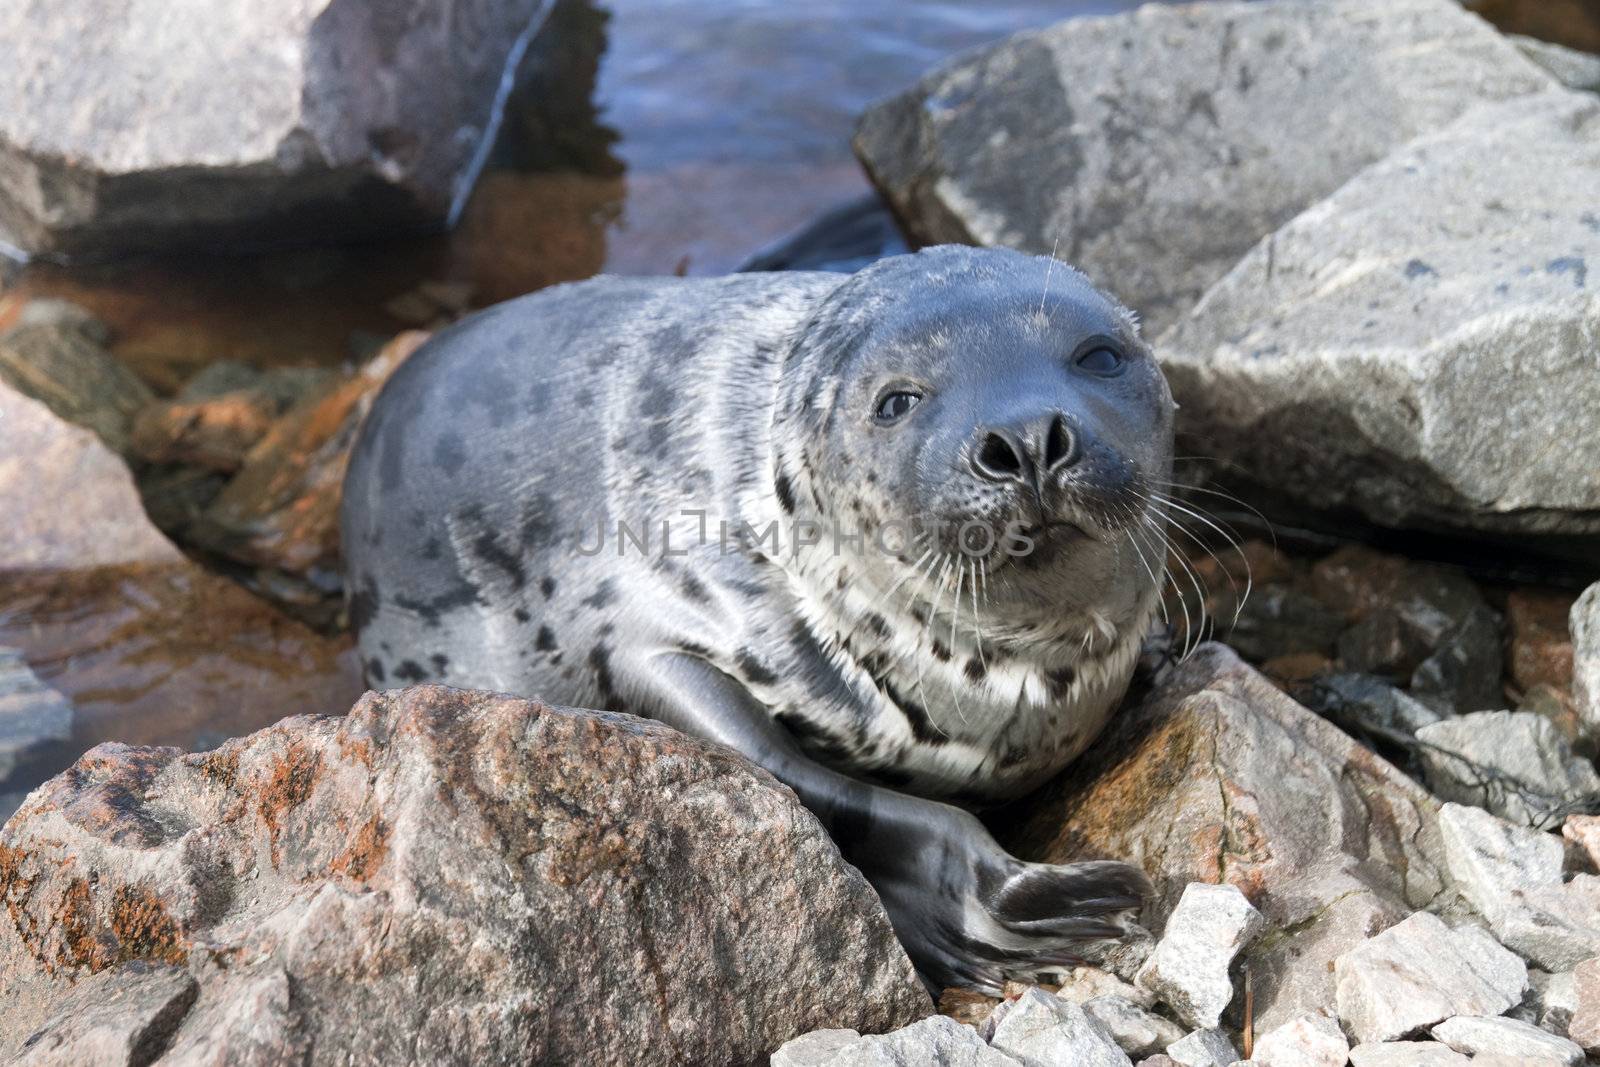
x=649, y=137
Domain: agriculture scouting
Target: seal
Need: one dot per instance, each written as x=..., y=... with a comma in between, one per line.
x=892, y=536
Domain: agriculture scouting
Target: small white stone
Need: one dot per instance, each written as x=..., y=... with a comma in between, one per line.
x=1041, y=1031
x=1136, y=1031
x=1420, y=972
x=937, y=1041
x=816, y=1049
x=1310, y=1039
x=1204, y=1048
x=1084, y=984
x=1406, y=1054
x=1584, y=622
x=1189, y=968
x=1506, y=1037
x=1512, y=876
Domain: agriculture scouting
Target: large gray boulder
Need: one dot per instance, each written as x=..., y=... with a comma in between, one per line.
x=140, y=124
x=441, y=877
x=1152, y=149
x=1418, y=345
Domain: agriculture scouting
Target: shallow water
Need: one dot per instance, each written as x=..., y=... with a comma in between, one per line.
x=665, y=135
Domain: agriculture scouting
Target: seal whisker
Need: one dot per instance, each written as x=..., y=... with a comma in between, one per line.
x=1158, y=583
x=1236, y=545
x=1183, y=601
x=1191, y=641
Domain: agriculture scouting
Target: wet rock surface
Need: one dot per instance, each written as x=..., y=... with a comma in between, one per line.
x=481, y=863
x=32, y=716
x=249, y=127
x=1152, y=149
x=147, y=646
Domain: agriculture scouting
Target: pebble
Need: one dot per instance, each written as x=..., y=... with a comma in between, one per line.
x=1406, y=1054
x=1189, y=968
x=1204, y=1048
x=1420, y=972
x=1042, y=1030
x=1516, y=764
x=936, y=1041
x=1523, y=1042
x=1136, y=1031
x=1310, y=1039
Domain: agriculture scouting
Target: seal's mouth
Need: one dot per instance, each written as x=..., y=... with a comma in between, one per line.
x=1056, y=531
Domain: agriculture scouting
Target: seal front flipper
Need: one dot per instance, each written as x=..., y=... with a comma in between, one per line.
x=968, y=913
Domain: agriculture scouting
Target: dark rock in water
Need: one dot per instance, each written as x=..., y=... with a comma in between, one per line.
x=212, y=434
x=441, y=877
x=1217, y=776
x=844, y=239
x=58, y=358
x=32, y=715
x=326, y=119
x=1153, y=149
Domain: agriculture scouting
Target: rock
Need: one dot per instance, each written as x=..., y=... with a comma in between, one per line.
x=1552, y=999
x=1506, y=1037
x=31, y=715
x=1158, y=1060
x=123, y=1016
x=1311, y=1039
x=1203, y=1048
x=1382, y=350
x=1361, y=703
x=1189, y=969
x=1463, y=675
x=268, y=124
x=1216, y=774
x=968, y=1006
x=59, y=363
x=842, y=239
x=1541, y=645
x=1572, y=68
x=1557, y=705
x=1421, y=972
x=1584, y=623
x=146, y=645
x=1584, y=1028
x=1278, y=621
x=1152, y=149
x=286, y=386
x=1041, y=1030
x=484, y=864
x=282, y=509
x=1136, y=1031
x=933, y=1042
x=1406, y=1054
x=1083, y=984
x=816, y=1049
x=1514, y=763
x=213, y=434
x=1512, y=876
x=1583, y=833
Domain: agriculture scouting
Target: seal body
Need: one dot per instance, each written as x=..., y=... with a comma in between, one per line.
x=895, y=529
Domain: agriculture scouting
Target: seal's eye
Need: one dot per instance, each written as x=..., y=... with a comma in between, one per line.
x=896, y=406
x=1101, y=360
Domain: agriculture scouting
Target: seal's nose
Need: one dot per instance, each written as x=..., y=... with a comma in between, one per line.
x=1007, y=454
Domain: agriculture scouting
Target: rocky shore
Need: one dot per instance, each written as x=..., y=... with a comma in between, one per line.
x=1358, y=763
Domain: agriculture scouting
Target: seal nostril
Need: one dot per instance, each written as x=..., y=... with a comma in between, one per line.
x=1060, y=447
x=999, y=458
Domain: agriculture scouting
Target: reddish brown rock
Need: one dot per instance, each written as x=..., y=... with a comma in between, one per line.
x=282, y=509
x=1217, y=776
x=214, y=433
x=149, y=647
x=1541, y=645
x=449, y=877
